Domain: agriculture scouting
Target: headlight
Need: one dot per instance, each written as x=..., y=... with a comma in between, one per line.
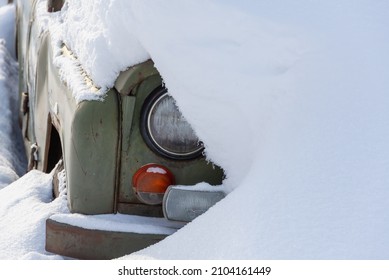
x=165, y=130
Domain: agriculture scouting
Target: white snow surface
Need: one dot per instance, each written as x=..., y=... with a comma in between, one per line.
x=120, y=223
x=7, y=18
x=24, y=207
x=156, y=170
x=291, y=99
x=12, y=163
x=202, y=187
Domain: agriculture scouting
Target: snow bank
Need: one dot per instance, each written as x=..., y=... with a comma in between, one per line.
x=24, y=207
x=12, y=159
x=7, y=24
x=291, y=99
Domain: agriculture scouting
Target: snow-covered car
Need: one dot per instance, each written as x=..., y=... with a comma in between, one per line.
x=131, y=153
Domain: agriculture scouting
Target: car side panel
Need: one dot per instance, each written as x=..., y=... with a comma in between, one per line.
x=39, y=105
x=89, y=133
x=90, y=156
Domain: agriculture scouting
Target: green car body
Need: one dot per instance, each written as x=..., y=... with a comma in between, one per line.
x=100, y=141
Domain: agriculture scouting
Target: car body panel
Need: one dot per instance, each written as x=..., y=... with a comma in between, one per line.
x=89, y=133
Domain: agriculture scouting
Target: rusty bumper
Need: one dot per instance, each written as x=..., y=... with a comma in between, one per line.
x=80, y=243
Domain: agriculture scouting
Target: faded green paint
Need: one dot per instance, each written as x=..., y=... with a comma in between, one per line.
x=133, y=76
x=89, y=133
x=90, y=160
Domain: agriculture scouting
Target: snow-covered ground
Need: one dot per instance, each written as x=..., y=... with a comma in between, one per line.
x=12, y=162
x=290, y=98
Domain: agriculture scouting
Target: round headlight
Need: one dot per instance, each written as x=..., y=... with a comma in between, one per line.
x=165, y=130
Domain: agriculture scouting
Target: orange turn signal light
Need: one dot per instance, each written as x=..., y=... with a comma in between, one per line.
x=151, y=181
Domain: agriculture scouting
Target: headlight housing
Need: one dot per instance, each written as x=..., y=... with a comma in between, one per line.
x=165, y=130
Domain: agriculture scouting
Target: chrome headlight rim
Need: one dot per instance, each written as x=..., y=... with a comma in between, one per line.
x=154, y=98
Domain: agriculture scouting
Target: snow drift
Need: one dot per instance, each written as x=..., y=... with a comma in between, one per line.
x=12, y=162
